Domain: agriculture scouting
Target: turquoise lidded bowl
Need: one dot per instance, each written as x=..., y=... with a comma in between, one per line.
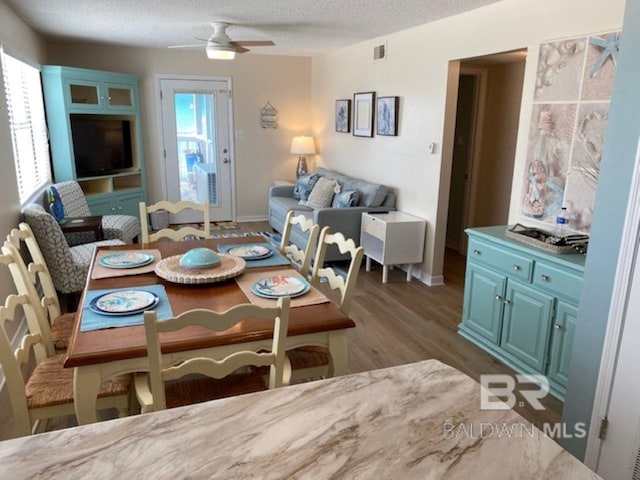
x=199, y=258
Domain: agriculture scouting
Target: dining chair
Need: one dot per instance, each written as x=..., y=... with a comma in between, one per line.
x=314, y=360
x=161, y=387
x=299, y=258
x=61, y=324
x=48, y=391
x=180, y=233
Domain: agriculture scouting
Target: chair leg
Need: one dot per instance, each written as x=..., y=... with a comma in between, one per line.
x=41, y=425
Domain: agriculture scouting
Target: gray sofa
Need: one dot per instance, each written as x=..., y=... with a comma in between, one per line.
x=373, y=198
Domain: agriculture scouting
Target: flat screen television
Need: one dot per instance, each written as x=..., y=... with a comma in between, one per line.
x=101, y=146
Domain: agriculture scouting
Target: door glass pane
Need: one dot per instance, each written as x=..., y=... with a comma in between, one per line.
x=84, y=94
x=195, y=126
x=120, y=96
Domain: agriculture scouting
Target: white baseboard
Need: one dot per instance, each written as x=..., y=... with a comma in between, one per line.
x=260, y=218
x=22, y=330
x=428, y=280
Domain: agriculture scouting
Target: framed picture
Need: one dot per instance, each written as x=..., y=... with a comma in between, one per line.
x=387, y=115
x=343, y=116
x=363, y=114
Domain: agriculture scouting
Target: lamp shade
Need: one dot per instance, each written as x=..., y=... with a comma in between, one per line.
x=302, y=145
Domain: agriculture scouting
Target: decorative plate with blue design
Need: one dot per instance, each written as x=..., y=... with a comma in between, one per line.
x=124, y=302
x=126, y=260
x=280, y=286
x=251, y=251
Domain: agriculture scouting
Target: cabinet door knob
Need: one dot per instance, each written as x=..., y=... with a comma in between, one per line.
x=498, y=297
x=507, y=301
x=113, y=209
x=516, y=267
x=476, y=252
x=544, y=278
x=557, y=326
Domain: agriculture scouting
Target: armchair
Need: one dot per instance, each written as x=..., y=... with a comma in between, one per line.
x=114, y=227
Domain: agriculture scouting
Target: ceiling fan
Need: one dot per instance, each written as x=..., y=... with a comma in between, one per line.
x=220, y=47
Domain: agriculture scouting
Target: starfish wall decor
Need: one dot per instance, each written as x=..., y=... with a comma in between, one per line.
x=610, y=46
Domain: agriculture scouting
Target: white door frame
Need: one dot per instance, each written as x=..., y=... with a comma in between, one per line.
x=160, y=129
x=615, y=322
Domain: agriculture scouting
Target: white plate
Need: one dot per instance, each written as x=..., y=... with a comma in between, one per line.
x=251, y=252
x=124, y=302
x=280, y=286
x=126, y=260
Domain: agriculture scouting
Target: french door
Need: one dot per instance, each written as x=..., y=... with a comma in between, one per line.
x=196, y=130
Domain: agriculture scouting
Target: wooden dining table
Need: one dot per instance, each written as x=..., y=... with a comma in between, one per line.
x=102, y=354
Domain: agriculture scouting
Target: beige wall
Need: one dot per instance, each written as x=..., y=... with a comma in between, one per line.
x=490, y=205
x=416, y=69
x=18, y=39
x=262, y=156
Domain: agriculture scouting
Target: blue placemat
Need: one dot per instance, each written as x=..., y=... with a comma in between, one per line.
x=277, y=259
x=95, y=321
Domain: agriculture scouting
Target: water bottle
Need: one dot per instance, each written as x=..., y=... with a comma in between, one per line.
x=562, y=223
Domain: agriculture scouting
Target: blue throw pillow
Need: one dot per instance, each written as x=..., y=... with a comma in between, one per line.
x=346, y=198
x=55, y=203
x=304, y=185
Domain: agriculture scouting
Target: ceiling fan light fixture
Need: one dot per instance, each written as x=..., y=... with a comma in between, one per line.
x=221, y=52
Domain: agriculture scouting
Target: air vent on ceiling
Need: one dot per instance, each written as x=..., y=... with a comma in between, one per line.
x=380, y=52
x=636, y=469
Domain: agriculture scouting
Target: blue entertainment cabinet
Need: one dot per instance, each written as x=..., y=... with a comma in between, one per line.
x=521, y=304
x=71, y=92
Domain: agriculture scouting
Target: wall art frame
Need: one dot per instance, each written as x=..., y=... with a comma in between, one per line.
x=343, y=116
x=363, y=114
x=387, y=116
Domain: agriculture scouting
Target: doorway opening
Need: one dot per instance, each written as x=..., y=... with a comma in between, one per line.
x=483, y=147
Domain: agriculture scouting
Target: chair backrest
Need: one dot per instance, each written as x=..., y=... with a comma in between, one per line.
x=12, y=361
x=345, y=283
x=35, y=310
x=37, y=268
x=180, y=233
x=73, y=199
x=300, y=258
x=207, y=365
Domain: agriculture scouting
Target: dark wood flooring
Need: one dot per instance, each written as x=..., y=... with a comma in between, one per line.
x=399, y=322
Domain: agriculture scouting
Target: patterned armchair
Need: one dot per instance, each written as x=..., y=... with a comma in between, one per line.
x=68, y=265
x=114, y=227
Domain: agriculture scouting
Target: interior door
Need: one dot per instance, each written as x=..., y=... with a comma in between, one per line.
x=197, y=148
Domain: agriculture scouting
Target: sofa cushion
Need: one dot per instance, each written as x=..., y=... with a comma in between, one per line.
x=346, y=198
x=304, y=185
x=371, y=194
x=322, y=193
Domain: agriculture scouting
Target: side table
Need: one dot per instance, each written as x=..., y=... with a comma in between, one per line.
x=83, y=224
x=392, y=238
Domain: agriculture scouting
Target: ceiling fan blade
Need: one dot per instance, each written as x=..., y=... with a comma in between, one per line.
x=255, y=43
x=240, y=49
x=195, y=45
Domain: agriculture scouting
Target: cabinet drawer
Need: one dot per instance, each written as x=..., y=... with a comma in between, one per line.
x=513, y=264
x=557, y=280
x=373, y=226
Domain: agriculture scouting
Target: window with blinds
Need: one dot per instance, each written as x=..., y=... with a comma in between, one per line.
x=25, y=107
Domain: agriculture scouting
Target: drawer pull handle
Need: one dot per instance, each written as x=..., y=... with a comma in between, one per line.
x=516, y=267
x=476, y=252
x=557, y=326
x=544, y=278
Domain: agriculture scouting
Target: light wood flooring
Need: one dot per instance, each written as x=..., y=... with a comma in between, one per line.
x=399, y=322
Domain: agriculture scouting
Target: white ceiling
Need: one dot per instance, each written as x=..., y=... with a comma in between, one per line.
x=298, y=27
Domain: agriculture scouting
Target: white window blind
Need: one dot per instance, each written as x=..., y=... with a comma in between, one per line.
x=27, y=123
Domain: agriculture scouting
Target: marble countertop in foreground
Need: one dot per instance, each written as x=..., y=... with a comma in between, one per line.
x=419, y=421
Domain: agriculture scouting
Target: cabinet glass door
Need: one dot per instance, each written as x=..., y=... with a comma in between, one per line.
x=119, y=96
x=84, y=94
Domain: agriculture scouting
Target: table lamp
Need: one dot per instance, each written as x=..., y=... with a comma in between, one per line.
x=302, y=146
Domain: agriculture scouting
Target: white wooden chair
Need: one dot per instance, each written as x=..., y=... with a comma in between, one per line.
x=314, y=360
x=61, y=324
x=300, y=259
x=180, y=233
x=161, y=389
x=48, y=391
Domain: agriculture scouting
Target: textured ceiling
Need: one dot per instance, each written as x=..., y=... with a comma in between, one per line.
x=298, y=27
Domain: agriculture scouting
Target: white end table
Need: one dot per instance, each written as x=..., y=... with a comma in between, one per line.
x=391, y=239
